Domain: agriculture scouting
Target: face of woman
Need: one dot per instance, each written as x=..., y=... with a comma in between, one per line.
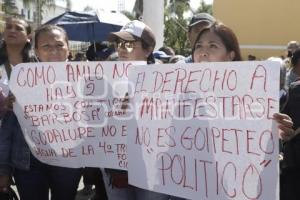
x=15, y=33
x=52, y=46
x=129, y=51
x=210, y=48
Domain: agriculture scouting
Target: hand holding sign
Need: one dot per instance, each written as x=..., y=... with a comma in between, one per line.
x=285, y=125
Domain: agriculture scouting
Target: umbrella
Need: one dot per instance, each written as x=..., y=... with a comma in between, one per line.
x=90, y=26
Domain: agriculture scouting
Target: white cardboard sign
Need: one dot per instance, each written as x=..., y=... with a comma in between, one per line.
x=70, y=113
x=205, y=130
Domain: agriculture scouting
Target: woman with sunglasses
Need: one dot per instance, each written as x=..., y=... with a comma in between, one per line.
x=134, y=42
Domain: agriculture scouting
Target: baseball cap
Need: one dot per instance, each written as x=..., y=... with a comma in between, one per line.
x=132, y=31
x=199, y=17
x=160, y=55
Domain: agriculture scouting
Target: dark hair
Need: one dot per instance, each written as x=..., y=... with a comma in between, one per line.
x=295, y=58
x=168, y=50
x=227, y=36
x=25, y=51
x=26, y=25
x=150, y=58
x=49, y=28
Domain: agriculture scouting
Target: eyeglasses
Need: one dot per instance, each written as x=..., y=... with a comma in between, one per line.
x=128, y=46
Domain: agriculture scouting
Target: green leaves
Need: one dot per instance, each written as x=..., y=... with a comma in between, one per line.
x=176, y=24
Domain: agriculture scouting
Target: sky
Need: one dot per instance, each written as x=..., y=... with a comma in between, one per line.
x=108, y=5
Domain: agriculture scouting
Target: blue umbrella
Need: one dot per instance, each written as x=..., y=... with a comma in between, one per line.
x=89, y=26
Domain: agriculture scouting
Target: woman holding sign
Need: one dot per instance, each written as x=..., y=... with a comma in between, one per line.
x=32, y=177
x=218, y=43
x=134, y=42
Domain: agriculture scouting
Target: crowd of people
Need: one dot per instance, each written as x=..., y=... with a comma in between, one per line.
x=210, y=40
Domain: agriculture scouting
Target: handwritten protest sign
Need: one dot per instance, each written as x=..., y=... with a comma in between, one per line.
x=205, y=130
x=70, y=112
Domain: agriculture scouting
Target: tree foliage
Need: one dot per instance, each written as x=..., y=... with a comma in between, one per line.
x=203, y=7
x=175, y=25
x=128, y=14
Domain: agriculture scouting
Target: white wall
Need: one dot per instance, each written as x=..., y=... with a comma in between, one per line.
x=153, y=16
x=49, y=12
x=52, y=12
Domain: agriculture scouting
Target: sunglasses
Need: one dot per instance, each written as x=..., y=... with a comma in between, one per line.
x=128, y=46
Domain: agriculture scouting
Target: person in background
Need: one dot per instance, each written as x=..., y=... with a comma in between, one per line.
x=197, y=23
x=79, y=57
x=99, y=51
x=290, y=164
x=290, y=146
x=14, y=49
x=282, y=87
x=294, y=72
x=168, y=50
x=70, y=56
x=291, y=47
x=33, y=178
x=161, y=56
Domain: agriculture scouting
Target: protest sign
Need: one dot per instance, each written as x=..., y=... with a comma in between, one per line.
x=70, y=112
x=205, y=130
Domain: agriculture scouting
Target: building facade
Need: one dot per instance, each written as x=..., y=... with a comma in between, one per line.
x=30, y=12
x=263, y=27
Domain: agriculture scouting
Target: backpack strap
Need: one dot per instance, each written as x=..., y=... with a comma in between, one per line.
x=7, y=69
x=286, y=99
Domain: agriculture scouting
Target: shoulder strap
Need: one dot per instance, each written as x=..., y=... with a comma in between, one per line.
x=7, y=69
x=294, y=85
x=286, y=99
